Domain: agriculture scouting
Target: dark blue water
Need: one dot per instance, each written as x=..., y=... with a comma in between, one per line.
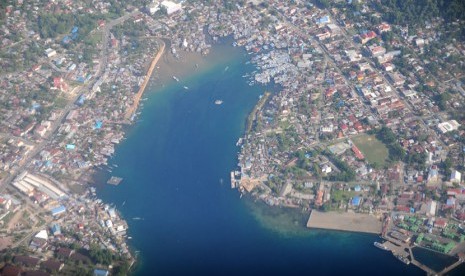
x=193, y=223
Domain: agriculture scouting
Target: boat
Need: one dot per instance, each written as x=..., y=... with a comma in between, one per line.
x=175, y=78
x=403, y=259
x=137, y=218
x=185, y=87
x=380, y=246
x=218, y=102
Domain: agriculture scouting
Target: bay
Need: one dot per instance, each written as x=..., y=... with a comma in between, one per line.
x=176, y=162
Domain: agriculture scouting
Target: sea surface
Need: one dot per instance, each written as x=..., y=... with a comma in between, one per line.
x=184, y=219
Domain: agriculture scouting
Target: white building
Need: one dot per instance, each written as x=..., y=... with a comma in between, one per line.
x=455, y=176
x=50, y=52
x=431, y=208
x=153, y=7
x=448, y=126
x=171, y=7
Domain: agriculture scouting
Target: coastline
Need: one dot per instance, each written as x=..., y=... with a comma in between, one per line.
x=133, y=108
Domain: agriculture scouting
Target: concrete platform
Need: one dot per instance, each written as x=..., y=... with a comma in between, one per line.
x=352, y=222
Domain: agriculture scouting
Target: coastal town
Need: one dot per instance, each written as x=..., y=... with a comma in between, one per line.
x=363, y=129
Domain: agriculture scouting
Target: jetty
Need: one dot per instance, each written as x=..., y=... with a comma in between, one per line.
x=132, y=109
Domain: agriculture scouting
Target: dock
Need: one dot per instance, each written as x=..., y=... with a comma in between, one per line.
x=399, y=248
x=114, y=180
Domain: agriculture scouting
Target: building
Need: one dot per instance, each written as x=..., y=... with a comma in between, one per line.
x=52, y=266
x=55, y=229
x=58, y=210
x=455, y=176
x=431, y=208
x=153, y=7
x=39, y=240
x=448, y=126
x=101, y=272
x=356, y=201
x=170, y=7
x=50, y=52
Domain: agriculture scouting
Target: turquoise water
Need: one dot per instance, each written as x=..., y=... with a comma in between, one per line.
x=192, y=222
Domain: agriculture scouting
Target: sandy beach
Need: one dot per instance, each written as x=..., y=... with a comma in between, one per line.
x=130, y=111
x=353, y=222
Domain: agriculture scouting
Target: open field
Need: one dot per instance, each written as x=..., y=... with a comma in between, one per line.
x=373, y=149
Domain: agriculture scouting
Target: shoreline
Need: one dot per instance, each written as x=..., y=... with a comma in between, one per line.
x=133, y=108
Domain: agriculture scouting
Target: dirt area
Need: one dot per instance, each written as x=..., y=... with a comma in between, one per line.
x=5, y=242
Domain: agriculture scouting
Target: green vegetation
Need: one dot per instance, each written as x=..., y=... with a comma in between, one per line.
x=347, y=174
x=100, y=256
x=396, y=152
x=340, y=195
x=416, y=12
x=51, y=25
x=375, y=152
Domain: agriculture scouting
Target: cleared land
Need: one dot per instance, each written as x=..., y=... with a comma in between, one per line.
x=352, y=222
x=373, y=149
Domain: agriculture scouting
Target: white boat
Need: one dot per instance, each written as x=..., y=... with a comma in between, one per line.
x=380, y=246
x=185, y=87
x=175, y=78
x=403, y=259
x=218, y=102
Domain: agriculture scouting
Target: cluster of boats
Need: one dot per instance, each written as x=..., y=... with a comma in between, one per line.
x=401, y=258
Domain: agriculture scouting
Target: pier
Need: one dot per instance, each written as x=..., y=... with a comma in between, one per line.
x=399, y=248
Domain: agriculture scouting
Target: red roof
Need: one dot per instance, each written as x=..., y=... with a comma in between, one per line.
x=357, y=152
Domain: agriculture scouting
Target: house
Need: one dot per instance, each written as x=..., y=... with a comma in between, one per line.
x=376, y=51
x=52, y=266
x=26, y=261
x=64, y=253
x=356, y=201
x=39, y=240
x=60, y=84
x=326, y=169
x=440, y=223
x=365, y=37
x=383, y=27
x=323, y=20
x=11, y=270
